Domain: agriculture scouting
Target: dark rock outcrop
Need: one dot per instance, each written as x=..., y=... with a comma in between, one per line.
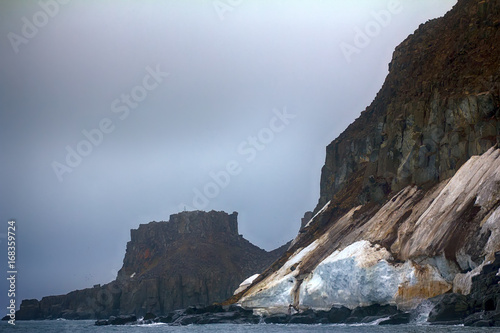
x=480, y=308
x=338, y=315
x=233, y=314
x=449, y=308
x=195, y=258
x=120, y=320
x=307, y=217
x=371, y=313
x=29, y=309
x=210, y=315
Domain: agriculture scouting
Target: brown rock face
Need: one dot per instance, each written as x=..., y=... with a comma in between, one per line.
x=439, y=105
x=196, y=258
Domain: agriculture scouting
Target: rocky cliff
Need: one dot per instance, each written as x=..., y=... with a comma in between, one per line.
x=438, y=106
x=418, y=245
x=408, y=210
x=196, y=258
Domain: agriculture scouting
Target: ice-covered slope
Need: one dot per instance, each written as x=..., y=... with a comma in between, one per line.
x=418, y=245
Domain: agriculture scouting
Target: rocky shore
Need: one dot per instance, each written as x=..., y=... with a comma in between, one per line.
x=233, y=314
x=481, y=308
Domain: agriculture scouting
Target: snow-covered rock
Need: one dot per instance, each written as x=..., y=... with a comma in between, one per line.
x=360, y=274
x=280, y=291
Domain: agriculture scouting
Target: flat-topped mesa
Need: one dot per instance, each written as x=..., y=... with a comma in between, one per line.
x=205, y=223
x=157, y=239
x=195, y=223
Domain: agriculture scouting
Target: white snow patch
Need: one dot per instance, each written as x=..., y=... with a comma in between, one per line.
x=244, y=285
x=299, y=255
x=250, y=280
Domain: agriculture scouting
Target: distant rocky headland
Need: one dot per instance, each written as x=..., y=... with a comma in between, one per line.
x=196, y=258
x=407, y=224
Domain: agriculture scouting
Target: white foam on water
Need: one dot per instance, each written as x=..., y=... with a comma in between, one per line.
x=421, y=313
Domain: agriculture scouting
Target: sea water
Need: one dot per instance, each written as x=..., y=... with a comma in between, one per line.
x=76, y=326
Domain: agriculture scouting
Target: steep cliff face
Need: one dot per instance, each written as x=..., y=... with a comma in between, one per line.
x=420, y=244
x=196, y=258
x=397, y=222
x=439, y=105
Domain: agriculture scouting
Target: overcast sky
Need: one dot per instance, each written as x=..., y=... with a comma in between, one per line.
x=118, y=113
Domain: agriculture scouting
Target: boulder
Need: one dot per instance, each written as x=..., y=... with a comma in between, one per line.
x=309, y=318
x=338, y=315
x=483, y=323
x=481, y=318
x=169, y=318
x=449, y=308
x=373, y=311
x=102, y=322
x=277, y=319
x=219, y=318
x=187, y=320
x=122, y=320
x=214, y=308
x=149, y=316
x=237, y=308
